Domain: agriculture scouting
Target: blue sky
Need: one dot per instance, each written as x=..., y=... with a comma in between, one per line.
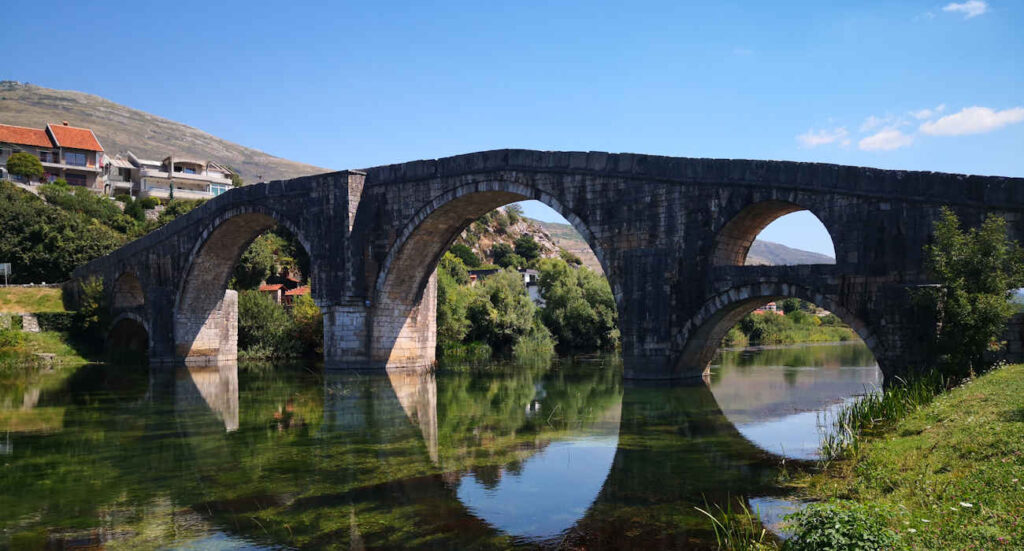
x=913, y=85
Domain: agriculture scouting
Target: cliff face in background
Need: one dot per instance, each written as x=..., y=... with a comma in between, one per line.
x=120, y=128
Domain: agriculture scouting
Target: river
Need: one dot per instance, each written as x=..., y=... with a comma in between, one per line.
x=489, y=456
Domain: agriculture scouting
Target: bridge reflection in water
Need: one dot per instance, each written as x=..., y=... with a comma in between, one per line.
x=488, y=458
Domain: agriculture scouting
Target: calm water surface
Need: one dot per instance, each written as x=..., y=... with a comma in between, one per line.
x=485, y=457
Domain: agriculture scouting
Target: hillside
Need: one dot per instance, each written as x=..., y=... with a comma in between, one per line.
x=761, y=252
x=121, y=128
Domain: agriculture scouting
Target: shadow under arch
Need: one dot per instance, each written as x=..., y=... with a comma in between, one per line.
x=127, y=292
x=733, y=241
x=129, y=338
x=205, y=311
x=403, y=331
x=705, y=330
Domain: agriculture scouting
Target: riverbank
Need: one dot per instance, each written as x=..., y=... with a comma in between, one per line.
x=951, y=475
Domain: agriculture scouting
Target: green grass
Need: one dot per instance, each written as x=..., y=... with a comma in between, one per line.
x=953, y=469
x=30, y=299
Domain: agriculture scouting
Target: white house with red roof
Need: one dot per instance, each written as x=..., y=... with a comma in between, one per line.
x=66, y=152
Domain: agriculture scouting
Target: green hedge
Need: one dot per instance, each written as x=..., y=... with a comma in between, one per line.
x=56, y=321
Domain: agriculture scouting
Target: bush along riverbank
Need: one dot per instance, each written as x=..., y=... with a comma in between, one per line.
x=795, y=322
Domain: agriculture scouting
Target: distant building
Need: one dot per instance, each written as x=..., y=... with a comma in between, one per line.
x=770, y=308
x=531, y=280
x=274, y=291
x=175, y=177
x=66, y=152
x=290, y=296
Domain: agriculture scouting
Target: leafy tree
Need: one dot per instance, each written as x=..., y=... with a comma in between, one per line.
x=499, y=251
x=977, y=270
x=579, y=307
x=514, y=213
x=45, y=243
x=501, y=311
x=464, y=253
x=236, y=180
x=134, y=210
x=513, y=261
x=93, y=313
x=257, y=262
x=264, y=328
x=309, y=324
x=527, y=247
x=25, y=164
x=453, y=297
x=790, y=305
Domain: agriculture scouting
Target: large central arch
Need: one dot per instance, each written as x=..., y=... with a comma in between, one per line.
x=403, y=330
x=705, y=330
x=205, y=311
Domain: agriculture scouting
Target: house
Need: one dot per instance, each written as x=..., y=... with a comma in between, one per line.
x=290, y=296
x=531, y=280
x=274, y=290
x=770, y=308
x=172, y=177
x=66, y=152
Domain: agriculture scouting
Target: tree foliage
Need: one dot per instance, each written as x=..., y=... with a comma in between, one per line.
x=25, y=164
x=45, y=243
x=500, y=311
x=579, y=307
x=264, y=327
x=527, y=247
x=466, y=254
x=977, y=270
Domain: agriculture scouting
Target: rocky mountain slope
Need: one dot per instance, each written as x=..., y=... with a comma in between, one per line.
x=120, y=128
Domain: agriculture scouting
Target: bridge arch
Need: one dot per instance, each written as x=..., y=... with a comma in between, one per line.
x=127, y=292
x=205, y=311
x=129, y=337
x=733, y=241
x=404, y=327
x=703, y=333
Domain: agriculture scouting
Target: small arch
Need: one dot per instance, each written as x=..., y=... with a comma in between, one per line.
x=127, y=292
x=128, y=338
x=205, y=312
x=733, y=242
x=705, y=330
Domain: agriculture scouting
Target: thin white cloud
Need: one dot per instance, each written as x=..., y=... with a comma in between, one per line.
x=970, y=8
x=925, y=114
x=885, y=140
x=874, y=122
x=973, y=120
x=814, y=138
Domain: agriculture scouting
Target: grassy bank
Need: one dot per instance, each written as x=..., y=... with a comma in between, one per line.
x=951, y=473
x=30, y=299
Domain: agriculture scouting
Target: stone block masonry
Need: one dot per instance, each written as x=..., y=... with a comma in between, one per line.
x=671, y=234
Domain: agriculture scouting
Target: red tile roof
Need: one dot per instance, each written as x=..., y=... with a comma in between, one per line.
x=273, y=287
x=24, y=136
x=74, y=138
x=298, y=291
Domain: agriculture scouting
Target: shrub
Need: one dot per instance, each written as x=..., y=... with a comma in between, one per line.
x=309, y=324
x=25, y=164
x=150, y=203
x=841, y=526
x=122, y=197
x=56, y=321
x=93, y=314
x=527, y=247
x=464, y=253
x=265, y=329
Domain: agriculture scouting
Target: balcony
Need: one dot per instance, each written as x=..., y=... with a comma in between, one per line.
x=64, y=166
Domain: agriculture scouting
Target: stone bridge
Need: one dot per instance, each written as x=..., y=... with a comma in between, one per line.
x=672, y=235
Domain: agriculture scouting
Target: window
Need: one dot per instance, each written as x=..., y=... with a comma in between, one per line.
x=217, y=189
x=188, y=170
x=74, y=159
x=76, y=179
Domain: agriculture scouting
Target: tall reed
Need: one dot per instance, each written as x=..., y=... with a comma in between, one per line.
x=876, y=412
